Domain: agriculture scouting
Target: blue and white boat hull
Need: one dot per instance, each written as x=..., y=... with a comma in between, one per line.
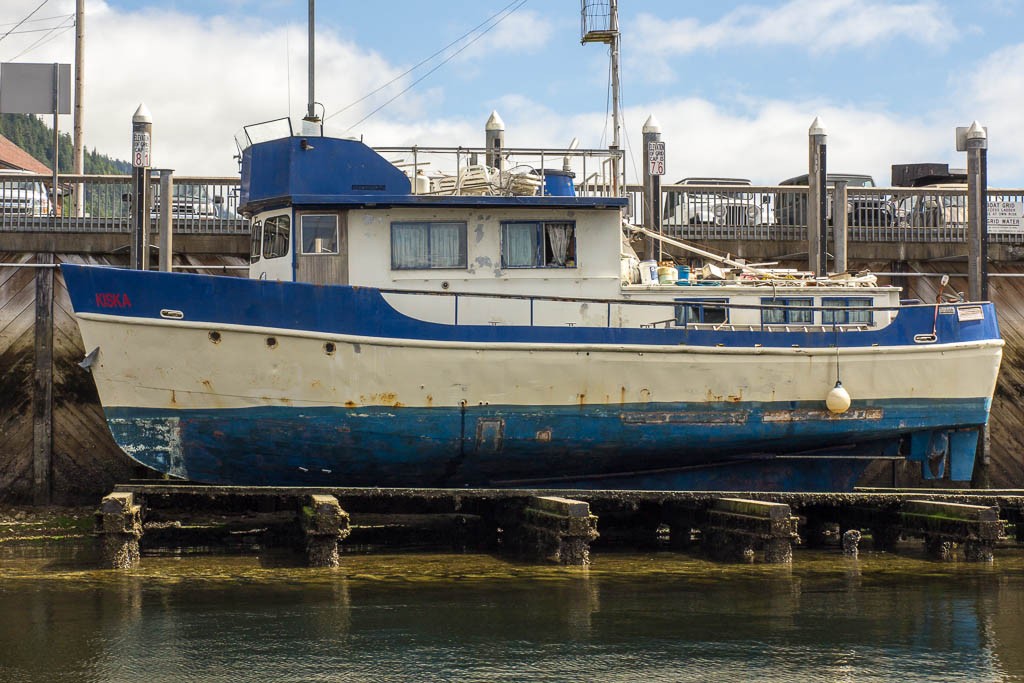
x=237, y=381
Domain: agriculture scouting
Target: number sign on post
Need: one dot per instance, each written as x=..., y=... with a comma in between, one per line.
x=140, y=149
x=656, y=158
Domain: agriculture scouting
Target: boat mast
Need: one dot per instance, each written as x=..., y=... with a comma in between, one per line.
x=601, y=25
x=311, y=124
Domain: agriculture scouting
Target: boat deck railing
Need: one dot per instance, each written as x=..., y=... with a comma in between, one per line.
x=511, y=171
x=685, y=311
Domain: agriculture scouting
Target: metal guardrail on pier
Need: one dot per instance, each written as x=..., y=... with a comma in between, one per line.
x=699, y=212
x=201, y=205
x=876, y=214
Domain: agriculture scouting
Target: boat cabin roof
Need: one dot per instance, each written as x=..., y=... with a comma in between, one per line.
x=333, y=172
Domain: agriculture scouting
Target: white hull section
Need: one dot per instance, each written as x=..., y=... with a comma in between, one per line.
x=144, y=363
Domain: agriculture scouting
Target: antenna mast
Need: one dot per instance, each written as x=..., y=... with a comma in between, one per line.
x=311, y=124
x=600, y=24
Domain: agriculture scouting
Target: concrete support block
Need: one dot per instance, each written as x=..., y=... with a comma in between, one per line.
x=557, y=530
x=945, y=526
x=851, y=542
x=324, y=524
x=119, y=527
x=736, y=529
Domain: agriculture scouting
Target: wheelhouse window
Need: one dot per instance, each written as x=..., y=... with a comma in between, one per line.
x=712, y=311
x=792, y=311
x=849, y=313
x=535, y=244
x=256, y=243
x=275, y=236
x=319, y=234
x=424, y=245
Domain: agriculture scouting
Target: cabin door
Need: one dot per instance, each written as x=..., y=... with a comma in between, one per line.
x=321, y=255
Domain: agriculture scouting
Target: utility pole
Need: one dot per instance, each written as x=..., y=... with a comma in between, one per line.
x=78, y=153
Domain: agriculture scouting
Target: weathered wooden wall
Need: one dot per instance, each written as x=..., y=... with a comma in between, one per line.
x=86, y=463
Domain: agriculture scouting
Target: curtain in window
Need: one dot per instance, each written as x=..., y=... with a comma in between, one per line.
x=558, y=237
x=520, y=247
x=410, y=246
x=446, y=245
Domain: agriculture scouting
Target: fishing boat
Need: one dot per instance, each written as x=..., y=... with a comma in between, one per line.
x=494, y=328
x=387, y=338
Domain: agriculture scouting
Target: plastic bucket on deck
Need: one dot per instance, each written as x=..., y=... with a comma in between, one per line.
x=558, y=183
x=667, y=275
x=648, y=272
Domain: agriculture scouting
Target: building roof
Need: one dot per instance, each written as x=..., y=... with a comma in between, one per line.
x=12, y=156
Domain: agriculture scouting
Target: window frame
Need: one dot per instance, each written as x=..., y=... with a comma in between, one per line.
x=787, y=306
x=845, y=308
x=463, y=245
x=279, y=230
x=302, y=235
x=701, y=305
x=256, y=241
x=542, y=244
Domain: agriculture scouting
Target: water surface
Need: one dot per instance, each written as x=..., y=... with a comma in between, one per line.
x=441, y=617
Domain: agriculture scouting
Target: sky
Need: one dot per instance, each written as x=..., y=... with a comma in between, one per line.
x=734, y=84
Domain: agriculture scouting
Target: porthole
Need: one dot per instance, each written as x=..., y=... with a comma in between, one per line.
x=214, y=336
x=329, y=348
x=271, y=342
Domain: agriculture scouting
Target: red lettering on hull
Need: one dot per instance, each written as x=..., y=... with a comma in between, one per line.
x=112, y=300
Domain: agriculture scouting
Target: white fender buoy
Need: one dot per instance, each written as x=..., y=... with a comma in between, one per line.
x=838, y=399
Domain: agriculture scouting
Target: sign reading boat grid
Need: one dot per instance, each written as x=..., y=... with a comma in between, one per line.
x=1005, y=217
x=656, y=158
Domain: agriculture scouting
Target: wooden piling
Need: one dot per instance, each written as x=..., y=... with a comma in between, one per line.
x=119, y=527
x=42, y=385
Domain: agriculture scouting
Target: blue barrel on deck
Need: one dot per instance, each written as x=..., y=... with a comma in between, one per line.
x=559, y=183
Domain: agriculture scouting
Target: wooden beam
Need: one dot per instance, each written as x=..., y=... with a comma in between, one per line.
x=42, y=385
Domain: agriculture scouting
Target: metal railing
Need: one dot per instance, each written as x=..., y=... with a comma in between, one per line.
x=209, y=205
x=200, y=204
x=464, y=170
x=873, y=214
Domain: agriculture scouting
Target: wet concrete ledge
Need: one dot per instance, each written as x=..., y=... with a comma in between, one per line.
x=559, y=525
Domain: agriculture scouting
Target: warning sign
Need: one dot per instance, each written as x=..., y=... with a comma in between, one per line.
x=1004, y=217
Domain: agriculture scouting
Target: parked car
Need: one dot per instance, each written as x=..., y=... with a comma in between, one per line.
x=728, y=207
x=861, y=210
x=191, y=202
x=934, y=211
x=24, y=197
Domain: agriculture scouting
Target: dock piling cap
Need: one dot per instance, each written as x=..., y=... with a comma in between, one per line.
x=494, y=122
x=976, y=131
x=652, y=125
x=817, y=127
x=142, y=115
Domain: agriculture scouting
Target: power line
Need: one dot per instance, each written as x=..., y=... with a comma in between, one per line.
x=25, y=19
x=42, y=30
x=443, y=62
x=35, y=21
x=427, y=59
x=48, y=37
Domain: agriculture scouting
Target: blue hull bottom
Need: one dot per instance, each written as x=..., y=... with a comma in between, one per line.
x=650, y=446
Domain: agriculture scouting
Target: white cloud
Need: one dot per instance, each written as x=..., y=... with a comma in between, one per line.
x=817, y=25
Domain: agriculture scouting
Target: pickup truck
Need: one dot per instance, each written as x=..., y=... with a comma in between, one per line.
x=861, y=210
